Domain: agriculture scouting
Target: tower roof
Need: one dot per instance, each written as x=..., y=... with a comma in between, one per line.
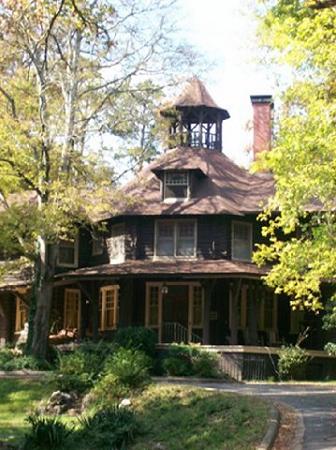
x=195, y=94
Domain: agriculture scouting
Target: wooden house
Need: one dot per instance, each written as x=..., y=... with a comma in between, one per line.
x=177, y=256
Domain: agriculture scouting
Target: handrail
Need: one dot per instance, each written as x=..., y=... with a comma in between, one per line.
x=175, y=332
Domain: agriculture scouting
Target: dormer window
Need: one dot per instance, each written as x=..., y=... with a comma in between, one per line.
x=176, y=185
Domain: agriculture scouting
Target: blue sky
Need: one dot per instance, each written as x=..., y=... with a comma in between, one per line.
x=225, y=31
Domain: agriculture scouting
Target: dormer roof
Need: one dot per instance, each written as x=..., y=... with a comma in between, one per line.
x=225, y=187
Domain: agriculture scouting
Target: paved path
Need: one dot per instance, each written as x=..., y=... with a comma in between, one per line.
x=317, y=404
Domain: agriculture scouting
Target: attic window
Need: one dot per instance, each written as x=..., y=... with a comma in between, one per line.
x=176, y=185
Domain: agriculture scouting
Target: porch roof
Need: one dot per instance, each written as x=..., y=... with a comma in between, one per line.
x=174, y=267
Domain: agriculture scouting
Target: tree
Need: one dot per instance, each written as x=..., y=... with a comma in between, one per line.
x=65, y=66
x=300, y=220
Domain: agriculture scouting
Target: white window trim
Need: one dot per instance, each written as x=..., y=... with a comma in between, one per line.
x=103, y=290
x=175, y=199
x=120, y=258
x=250, y=226
x=175, y=222
x=77, y=291
x=76, y=248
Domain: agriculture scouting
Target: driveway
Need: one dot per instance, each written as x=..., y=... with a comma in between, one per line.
x=316, y=403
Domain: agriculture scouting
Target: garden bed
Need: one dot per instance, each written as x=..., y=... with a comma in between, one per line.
x=169, y=417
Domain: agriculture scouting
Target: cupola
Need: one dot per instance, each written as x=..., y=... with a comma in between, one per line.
x=195, y=120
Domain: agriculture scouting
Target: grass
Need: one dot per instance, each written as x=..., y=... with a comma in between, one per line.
x=176, y=418
x=17, y=398
x=170, y=417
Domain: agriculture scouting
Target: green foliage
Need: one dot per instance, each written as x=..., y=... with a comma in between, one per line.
x=190, y=360
x=12, y=360
x=112, y=428
x=46, y=433
x=301, y=236
x=137, y=338
x=129, y=367
x=107, y=391
x=292, y=362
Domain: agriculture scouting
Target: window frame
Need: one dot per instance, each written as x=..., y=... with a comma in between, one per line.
x=122, y=237
x=250, y=226
x=18, y=304
x=76, y=251
x=77, y=291
x=175, y=227
x=173, y=199
x=102, y=315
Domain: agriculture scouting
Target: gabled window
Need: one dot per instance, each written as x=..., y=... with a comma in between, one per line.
x=71, y=309
x=175, y=238
x=68, y=253
x=108, y=307
x=176, y=185
x=21, y=316
x=241, y=241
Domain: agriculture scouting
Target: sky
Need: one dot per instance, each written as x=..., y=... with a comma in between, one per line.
x=225, y=31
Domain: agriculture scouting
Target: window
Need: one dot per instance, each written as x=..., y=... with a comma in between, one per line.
x=21, y=316
x=71, y=309
x=241, y=241
x=176, y=185
x=97, y=245
x=116, y=243
x=175, y=238
x=108, y=307
x=68, y=253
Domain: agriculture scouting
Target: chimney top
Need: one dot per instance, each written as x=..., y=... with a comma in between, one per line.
x=262, y=99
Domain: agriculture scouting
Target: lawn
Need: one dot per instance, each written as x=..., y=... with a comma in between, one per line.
x=17, y=398
x=170, y=417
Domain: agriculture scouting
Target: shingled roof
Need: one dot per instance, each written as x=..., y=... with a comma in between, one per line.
x=145, y=267
x=224, y=188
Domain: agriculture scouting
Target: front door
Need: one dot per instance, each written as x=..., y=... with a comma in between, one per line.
x=175, y=306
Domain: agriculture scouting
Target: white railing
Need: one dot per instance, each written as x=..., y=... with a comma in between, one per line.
x=175, y=332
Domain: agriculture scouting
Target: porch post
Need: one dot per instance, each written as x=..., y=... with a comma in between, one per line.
x=235, y=297
x=126, y=303
x=208, y=288
x=253, y=317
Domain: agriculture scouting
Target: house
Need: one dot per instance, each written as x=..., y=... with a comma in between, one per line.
x=177, y=256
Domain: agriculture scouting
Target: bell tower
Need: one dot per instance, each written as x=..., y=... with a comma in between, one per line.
x=195, y=119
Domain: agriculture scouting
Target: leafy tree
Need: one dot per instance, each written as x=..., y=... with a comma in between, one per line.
x=302, y=232
x=65, y=68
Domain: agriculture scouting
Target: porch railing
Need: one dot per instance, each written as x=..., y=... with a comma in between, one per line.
x=175, y=332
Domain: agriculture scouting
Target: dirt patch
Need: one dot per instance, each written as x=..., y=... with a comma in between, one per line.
x=288, y=427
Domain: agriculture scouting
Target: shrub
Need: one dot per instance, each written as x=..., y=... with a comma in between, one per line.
x=45, y=433
x=11, y=360
x=292, y=362
x=205, y=364
x=188, y=360
x=137, y=338
x=129, y=367
x=108, y=391
x=112, y=428
x=71, y=382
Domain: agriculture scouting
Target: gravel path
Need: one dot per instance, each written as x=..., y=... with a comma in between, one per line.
x=316, y=403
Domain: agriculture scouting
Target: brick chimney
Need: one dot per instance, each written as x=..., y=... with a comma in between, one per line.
x=262, y=123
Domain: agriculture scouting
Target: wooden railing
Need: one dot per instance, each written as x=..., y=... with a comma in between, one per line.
x=175, y=332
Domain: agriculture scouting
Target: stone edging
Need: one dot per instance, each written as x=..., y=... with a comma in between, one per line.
x=272, y=430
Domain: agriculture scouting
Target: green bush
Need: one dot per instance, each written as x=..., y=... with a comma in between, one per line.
x=11, y=360
x=292, y=362
x=108, y=391
x=67, y=382
x=137, y=338
x=190, y=360
x=129, y=367
x=46, y=433
x=112, y=428
x=205, y=364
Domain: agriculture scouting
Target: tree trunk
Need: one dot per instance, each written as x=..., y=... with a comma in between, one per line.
x=43, y=299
